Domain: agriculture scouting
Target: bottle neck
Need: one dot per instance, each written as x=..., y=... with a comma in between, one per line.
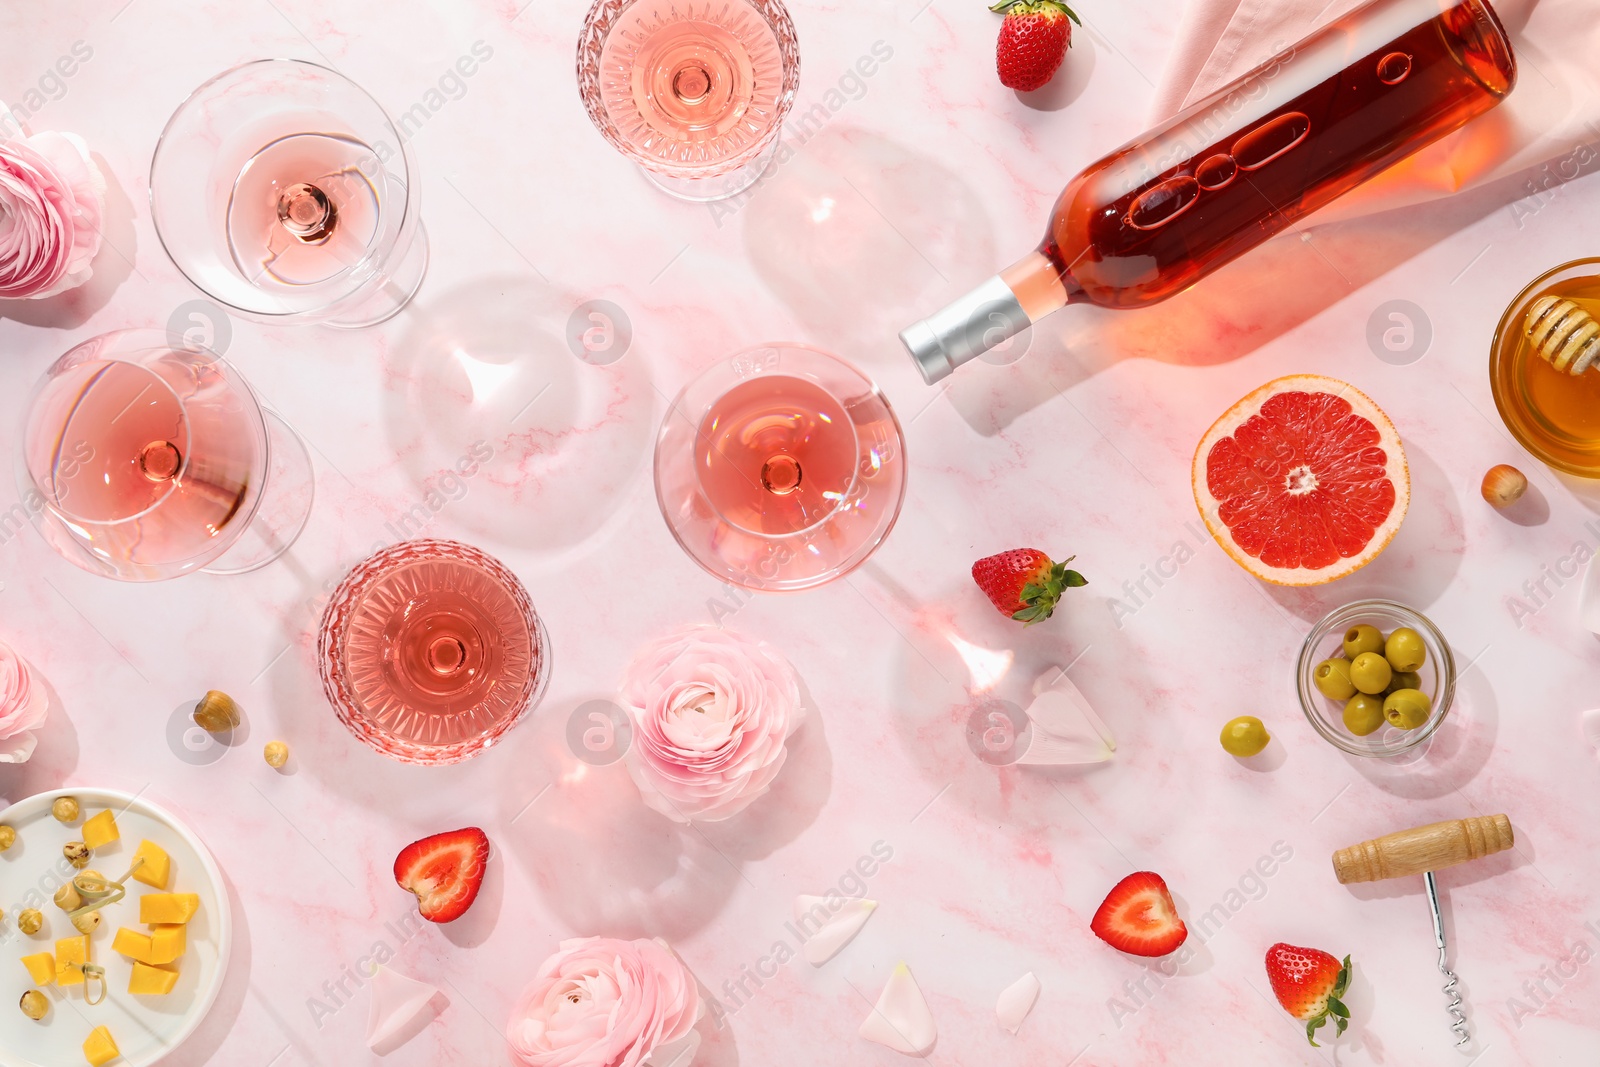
x=1042, y=285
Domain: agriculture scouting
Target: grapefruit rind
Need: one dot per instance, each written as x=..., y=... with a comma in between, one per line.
x=1399, y=474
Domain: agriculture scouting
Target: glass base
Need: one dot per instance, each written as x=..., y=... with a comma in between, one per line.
x=387, y=302
x=721, y=187
x=285, y=505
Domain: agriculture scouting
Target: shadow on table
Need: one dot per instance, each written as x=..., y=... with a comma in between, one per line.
x=961, y=664
x=202, y=1045
x=1453, y=756
x=642, y=874
x=501, y=426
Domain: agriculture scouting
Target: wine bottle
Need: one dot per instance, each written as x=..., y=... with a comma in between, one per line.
x=1239, y=166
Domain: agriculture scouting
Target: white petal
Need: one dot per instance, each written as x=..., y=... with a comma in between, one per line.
x=397, y=1002
x=1016, y=1001
x=829, y=931
x=1065, y=728
x=18, y=748
x=902, y=1021
x=1589, y=598
x=1591, y=726
x=679, y=1053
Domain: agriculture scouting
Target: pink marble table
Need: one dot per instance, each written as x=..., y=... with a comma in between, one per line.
x=908, y=187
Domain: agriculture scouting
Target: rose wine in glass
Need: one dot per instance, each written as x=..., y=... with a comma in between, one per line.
x=283, y=190
x=695, y=91
x=1224, y=175
x=781, y=468
x=145, y=460
x=430, y=651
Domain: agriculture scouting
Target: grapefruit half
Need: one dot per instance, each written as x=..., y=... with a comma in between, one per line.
x=1303, y=481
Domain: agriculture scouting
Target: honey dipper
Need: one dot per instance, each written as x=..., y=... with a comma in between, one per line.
x=1424, y=850
x=1564, y=334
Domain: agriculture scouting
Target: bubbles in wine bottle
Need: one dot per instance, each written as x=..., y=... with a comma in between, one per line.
x=1394, y=68
x=1162, y=203
x=1217, y=172
x=1270, y=140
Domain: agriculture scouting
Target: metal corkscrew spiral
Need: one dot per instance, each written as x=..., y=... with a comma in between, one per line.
x=1458, y=1017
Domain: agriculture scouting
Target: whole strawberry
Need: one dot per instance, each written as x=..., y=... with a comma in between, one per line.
x=1034, y=39
x=1308, y=983
x=1025, y=583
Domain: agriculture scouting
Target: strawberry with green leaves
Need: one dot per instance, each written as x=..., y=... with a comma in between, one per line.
x=1034, y=39
x=1025, y=583
x=1308, y=983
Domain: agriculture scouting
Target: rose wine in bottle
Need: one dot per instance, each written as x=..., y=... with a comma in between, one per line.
x=1232, y=170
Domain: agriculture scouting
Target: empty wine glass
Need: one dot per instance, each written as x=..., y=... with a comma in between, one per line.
x=780, y=468
x=694, y=91
x=144, y=460
x=283, y=190
x=430, y=651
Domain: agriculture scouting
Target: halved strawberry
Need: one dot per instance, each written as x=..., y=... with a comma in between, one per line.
x=444, y=871
x=1138, y=917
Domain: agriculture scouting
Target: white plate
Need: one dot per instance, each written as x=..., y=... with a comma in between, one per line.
x=145, y=1028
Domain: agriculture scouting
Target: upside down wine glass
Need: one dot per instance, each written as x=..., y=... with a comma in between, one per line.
x=430, y=651
x=283, y=190
x=780, y=468
x=144, y=460
x=694, y=91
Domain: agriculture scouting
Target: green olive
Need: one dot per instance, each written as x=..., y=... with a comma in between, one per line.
x=1363, y=714
x=1406, y=709
x=1333, y=678
x=1245, y=736
x=1363, y=638
x=1404, y=680
x=1371, y=673
x=1404, y=650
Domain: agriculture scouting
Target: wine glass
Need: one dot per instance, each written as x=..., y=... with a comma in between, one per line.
x=694, y=91
x=780, y=468
x=431, y=650
x=144, y=459
x=283, y=190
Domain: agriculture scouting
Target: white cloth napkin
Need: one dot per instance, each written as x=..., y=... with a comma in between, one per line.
x=1549, y=125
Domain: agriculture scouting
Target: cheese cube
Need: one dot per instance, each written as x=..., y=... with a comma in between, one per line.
x=41, y=967
x=100, y=830
x=152, y=981
x=100, y=1047
x=157, y=865
x=71, y=954
x=133, y=944
x=168, y=907
x=168, y=941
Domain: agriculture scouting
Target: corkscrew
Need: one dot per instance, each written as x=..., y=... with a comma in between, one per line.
x=1422, y=851
x=1458, y=1024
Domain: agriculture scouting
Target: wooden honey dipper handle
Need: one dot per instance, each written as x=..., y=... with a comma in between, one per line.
x=1426, y=848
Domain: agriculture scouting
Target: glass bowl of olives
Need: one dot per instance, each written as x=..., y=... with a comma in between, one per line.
x=1376, y=678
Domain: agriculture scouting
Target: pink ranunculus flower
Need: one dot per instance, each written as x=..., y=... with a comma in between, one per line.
x=52, y=201
x=23, y=706
x=605, y=1002
x=711, y=713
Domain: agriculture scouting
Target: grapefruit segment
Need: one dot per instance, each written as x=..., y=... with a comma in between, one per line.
x=1303, y=481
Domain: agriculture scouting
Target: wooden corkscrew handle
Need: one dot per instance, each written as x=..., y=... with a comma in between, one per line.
x=1426, y=848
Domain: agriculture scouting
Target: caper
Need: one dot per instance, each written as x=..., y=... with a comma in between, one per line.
x=34, y=1004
